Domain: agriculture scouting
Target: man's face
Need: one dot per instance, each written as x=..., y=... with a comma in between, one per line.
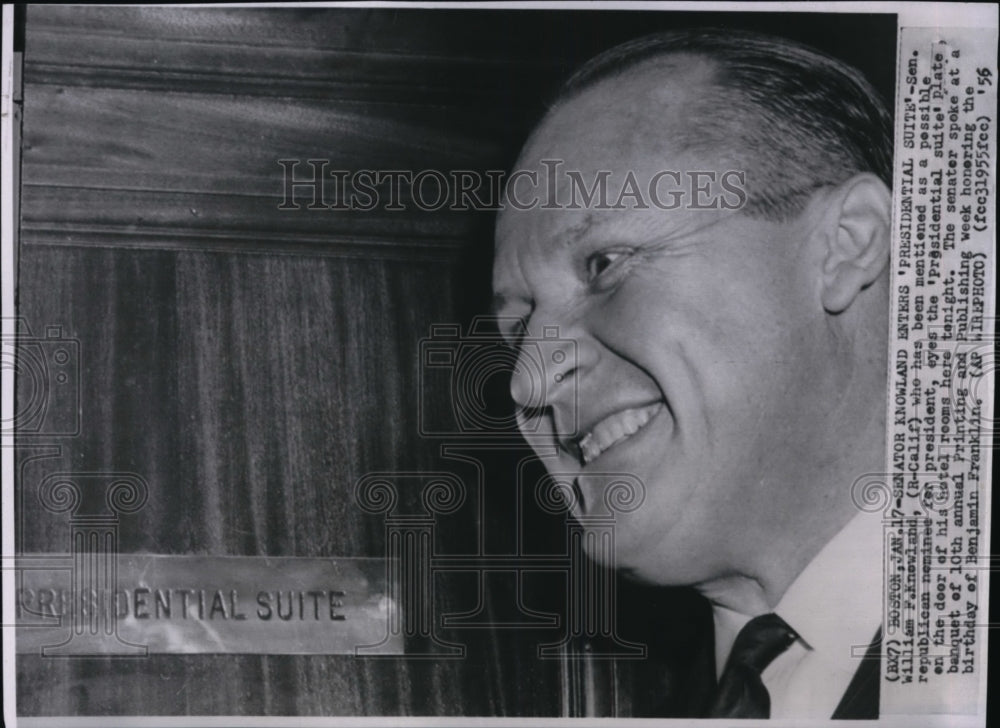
x=702, y=349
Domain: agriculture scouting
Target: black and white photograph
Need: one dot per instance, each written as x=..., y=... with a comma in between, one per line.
x=409, y=364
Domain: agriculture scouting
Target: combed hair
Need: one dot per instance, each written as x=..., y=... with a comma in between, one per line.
x=796, y=119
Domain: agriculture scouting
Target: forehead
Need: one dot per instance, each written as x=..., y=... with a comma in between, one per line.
x=640, y=122
x=644, y=109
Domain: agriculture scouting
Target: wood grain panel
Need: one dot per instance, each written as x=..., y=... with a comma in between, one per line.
x=199, y=142
x=87, y=217
x=191, y=170
x=252, y=392
x=354, y=53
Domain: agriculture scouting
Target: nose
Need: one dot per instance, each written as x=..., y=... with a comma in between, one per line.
x=548, y=372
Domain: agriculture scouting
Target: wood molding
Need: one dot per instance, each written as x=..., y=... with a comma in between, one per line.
x=281, y=53
x=369, y=247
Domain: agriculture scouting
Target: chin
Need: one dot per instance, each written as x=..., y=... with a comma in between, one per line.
x=612, y=544
x=643, y=552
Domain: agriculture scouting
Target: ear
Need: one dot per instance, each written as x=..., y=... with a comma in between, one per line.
x=857, y=239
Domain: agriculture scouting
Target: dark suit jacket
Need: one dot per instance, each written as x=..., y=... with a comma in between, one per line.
x=684, y=688
x=860, y=701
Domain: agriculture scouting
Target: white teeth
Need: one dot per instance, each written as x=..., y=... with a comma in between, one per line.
x=631, y=422
x=615, y=428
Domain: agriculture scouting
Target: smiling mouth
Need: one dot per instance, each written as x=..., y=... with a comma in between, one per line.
x=614, y=429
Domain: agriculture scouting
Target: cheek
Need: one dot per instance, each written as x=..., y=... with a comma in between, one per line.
x=642, y=310
x=744, y=309
x=697, y=314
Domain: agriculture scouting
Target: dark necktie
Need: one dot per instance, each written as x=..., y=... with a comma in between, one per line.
x=741, y=692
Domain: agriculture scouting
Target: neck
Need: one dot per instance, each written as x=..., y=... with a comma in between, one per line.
x=738, y=592
x=758, y=590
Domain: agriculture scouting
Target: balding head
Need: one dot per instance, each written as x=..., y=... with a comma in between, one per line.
x=795, y=119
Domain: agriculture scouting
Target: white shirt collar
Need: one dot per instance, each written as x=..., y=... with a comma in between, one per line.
x=834, y=605
x=836, y=602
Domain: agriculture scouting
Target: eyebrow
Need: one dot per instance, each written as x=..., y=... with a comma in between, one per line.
x=681, y=232
x=573, y=234
x=594, y=227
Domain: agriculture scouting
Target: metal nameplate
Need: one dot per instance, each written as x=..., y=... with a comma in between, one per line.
x=176, y=604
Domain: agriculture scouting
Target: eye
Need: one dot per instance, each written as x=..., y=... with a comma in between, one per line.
x=598, y=263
